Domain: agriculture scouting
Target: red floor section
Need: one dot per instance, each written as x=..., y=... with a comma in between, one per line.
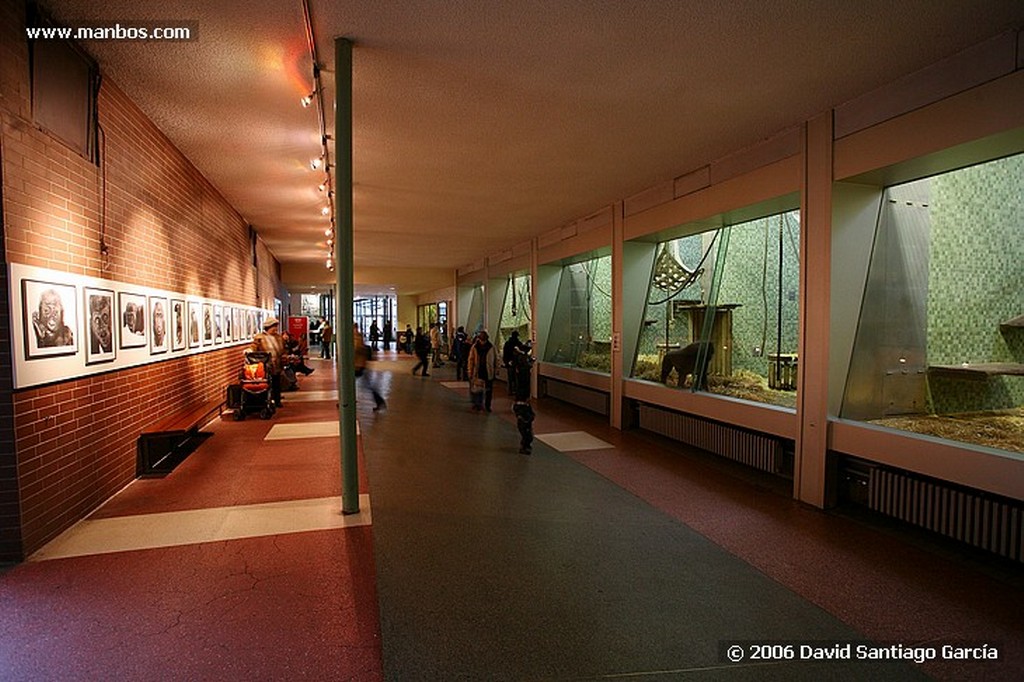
x=285, y=607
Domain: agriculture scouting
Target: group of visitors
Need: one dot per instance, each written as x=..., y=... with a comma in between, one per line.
x=476, y=361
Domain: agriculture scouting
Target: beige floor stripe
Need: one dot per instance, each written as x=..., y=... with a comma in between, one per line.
x=171, y=529
x=302, y=396
x=305, y=430
x=573, y=440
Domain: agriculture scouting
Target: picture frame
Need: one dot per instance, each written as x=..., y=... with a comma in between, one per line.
x=99, y=324
x=159, y=338
x=207, y=324
x=179, y=325
x=50, y=317
x=218, y=321
x=228, y=323
x=132, y=320
x=195, y=312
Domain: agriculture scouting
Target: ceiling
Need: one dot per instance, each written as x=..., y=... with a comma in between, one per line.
x=478, y=124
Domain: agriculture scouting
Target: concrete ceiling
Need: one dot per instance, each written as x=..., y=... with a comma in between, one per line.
x=479, y=124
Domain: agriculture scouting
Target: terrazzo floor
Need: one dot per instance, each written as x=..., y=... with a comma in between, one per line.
x=603, y=555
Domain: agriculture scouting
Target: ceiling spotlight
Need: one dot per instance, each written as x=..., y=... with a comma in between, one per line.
x=322, y=186
x=330, y=243
x=329, y=232
x=326, y=210
x=308, y=99
x=315, y=163
x=330, y=263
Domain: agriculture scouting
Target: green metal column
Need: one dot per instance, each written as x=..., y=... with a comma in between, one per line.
x=343, y=272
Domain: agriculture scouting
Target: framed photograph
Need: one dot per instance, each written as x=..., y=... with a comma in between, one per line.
x=132, y=309
x=158, y=336
x=236, y=324
x=218, y=329
x=99, y=315
x=228, y=323
x=194, y=313
x=50, y=315
x=179, y=327
x=207, y=324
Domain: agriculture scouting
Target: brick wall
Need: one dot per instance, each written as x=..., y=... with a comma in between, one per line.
x=164, y=226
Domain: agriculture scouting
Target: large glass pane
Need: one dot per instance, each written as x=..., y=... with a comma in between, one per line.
x=724, y=305
x=939, y=348
x=581, y=326
x=515, y=310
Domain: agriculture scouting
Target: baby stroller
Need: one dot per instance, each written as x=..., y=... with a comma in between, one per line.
x=254, y=379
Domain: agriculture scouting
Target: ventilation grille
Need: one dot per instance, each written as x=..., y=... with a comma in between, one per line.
x=984, y=521
x=587, y=398
x=747, y=447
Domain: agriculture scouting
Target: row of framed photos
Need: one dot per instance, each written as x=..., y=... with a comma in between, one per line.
x=68, y=322
x=126, y=320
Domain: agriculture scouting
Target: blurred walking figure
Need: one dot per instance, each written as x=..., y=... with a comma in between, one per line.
x=361, y=356
x=422, y=345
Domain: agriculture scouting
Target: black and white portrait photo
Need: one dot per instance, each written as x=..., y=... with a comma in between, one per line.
x=228, y=323
x=50, y=314
x=218, y=329
x=194, y=311
x=207, y=324
x=133, y=320
x=99, y=310
x=178, y=339
x=157, y=325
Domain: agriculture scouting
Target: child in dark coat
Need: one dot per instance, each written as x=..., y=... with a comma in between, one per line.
x=521, y=366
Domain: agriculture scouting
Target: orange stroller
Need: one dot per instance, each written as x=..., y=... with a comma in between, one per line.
x=254, y=379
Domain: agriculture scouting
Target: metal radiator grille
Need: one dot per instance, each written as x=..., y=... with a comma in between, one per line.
x=980, y=520
x=586, y=398
x=753, y=449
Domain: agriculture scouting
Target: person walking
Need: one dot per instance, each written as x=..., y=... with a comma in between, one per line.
x=483, y=367
x=326, y=338
x=460, y=349
x=521, y=367
x=361, y=356
x=422, y=345
x=388, y=333
x=409, y=341
x=508, y=356
x=374, y=335
x=435, y=345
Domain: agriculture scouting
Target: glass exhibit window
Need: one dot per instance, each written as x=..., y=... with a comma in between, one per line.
x=581, y=326
x=722, y=312
x=515, y=310
x=939, y=347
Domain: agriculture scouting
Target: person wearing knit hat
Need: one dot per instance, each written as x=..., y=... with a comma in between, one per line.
x=270, y=342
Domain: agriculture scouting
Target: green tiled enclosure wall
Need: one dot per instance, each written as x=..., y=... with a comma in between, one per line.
x=976, y=281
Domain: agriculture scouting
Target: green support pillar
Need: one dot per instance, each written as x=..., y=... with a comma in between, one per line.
x=343, y=272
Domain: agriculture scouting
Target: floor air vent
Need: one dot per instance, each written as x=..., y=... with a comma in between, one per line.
x=747, y=447
x=985, y=521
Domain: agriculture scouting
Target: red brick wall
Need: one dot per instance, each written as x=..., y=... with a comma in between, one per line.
x=166, y=227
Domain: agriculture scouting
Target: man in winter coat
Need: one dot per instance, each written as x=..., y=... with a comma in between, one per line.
x=483, y=367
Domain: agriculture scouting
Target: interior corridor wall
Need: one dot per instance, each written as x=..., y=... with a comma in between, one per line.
x=166, y=227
